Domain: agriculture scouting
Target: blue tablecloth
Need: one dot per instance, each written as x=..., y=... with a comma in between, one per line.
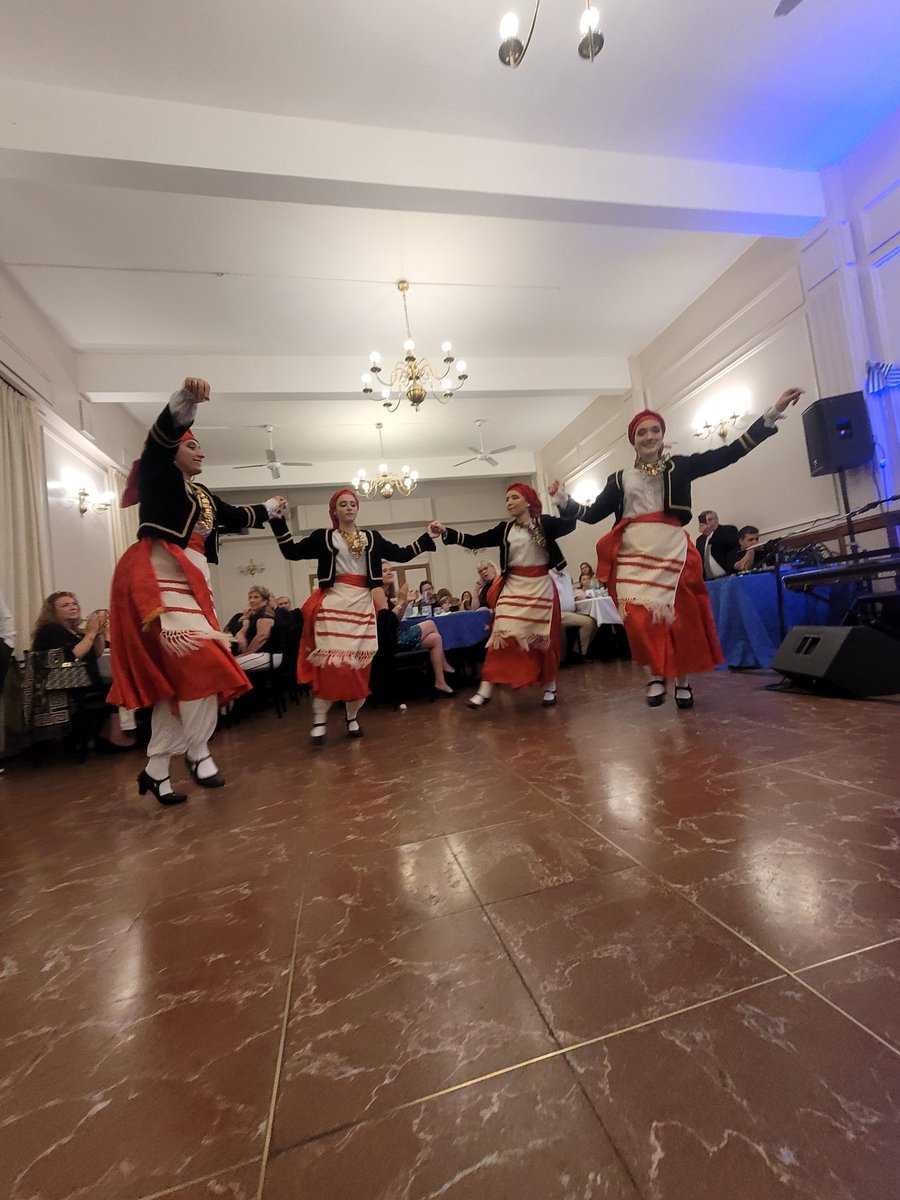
x=745, y=608
x=459, y=629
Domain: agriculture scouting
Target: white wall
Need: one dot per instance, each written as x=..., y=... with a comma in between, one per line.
x=81, y=546
x=39, y=362
x=36, y=361
x=851, y=273
x=749, y=330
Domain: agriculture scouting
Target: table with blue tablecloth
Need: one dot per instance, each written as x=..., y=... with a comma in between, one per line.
x=745, y=609
x=459, y=629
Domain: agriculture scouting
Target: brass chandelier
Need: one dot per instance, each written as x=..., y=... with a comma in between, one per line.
x=386, y=484
x=512, y=51
x=413, y=378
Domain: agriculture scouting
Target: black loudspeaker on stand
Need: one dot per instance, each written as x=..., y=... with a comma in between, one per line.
x=852, y=659
x=838, y=434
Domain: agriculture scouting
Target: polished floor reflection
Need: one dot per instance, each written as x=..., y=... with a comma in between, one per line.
x=515, y=954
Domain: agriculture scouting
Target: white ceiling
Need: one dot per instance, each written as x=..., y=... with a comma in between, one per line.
x=163, y=240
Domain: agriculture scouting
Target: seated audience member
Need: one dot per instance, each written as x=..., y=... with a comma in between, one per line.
x=714, y=544
x=487, y=573
x=421, y=636
x=287, y=618
x=744, y=556
x=585, y=569
x=425, y=597
x=466, y=603
x=445, y=601
x=59, y=627
x=258, y=636
x=587, y=582
x=583, y=622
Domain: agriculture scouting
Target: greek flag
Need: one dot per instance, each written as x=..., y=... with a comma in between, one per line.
x=881, y=375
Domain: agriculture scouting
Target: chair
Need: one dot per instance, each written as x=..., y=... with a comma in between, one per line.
x=268, y=687
x=571, y=645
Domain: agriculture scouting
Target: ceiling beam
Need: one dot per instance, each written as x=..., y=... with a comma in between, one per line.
x=126, y=141
x=113, y=377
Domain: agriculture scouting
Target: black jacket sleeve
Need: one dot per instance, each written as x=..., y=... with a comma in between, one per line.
x=312, y=546
x=230, y=518
x=476, y=541
x=707, y=462
x=558, y=527
x=603, y=506
x=403, y=554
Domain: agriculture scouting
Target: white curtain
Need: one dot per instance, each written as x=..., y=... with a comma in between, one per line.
x=124, y=520
x=24, y=535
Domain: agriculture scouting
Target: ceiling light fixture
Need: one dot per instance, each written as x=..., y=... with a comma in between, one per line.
x=413, y=377
x=512, y=51
x=386, y=484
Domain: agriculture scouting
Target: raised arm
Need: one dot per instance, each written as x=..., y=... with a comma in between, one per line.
x=308, y=547
x=602, y=506
x=404, y=554
x=231, y=518
x=474, y=541
x=707, y=462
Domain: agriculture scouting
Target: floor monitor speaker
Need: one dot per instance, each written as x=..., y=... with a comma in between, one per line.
x=838, y=434
x=850, y=658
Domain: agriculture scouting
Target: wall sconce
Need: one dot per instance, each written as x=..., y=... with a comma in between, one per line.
x=98, y=503
x=252, y=568
x=76, y=491
x=722, y=414
x=585, y=491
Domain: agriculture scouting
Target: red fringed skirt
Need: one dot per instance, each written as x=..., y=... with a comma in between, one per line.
x=655, y=577
x=523, y=648
x=165, y=640
x=339, y=640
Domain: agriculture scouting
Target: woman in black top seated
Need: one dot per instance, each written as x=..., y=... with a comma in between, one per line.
x=59, y=627
x=258, y=636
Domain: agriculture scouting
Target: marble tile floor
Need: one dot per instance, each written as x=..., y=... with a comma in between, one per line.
x=515, y=954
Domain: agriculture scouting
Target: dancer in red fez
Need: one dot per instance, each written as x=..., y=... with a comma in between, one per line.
x=166, y=646
x=654, y=572
x=524, y=645
x=339, y=639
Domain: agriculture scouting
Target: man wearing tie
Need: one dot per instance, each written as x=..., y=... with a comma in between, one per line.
x=715, y=543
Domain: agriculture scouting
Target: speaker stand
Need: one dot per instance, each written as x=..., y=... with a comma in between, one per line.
x=848, y=516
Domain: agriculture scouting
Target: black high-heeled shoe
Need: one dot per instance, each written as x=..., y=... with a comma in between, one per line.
x=210, y=781
x=146, y=783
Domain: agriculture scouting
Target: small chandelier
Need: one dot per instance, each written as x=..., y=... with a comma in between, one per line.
x=386, y=484
x=512, y=51
x=413, y=377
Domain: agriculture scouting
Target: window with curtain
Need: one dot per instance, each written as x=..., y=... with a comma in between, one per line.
x=24, y=535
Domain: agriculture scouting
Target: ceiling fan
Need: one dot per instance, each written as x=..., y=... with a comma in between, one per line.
x=480, y=454
x=786, y=6
x=273, y=463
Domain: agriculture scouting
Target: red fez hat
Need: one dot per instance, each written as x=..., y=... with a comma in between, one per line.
x=332, y=503
x=647, y=415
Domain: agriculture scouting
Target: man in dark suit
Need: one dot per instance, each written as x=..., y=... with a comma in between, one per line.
x=715, y=543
